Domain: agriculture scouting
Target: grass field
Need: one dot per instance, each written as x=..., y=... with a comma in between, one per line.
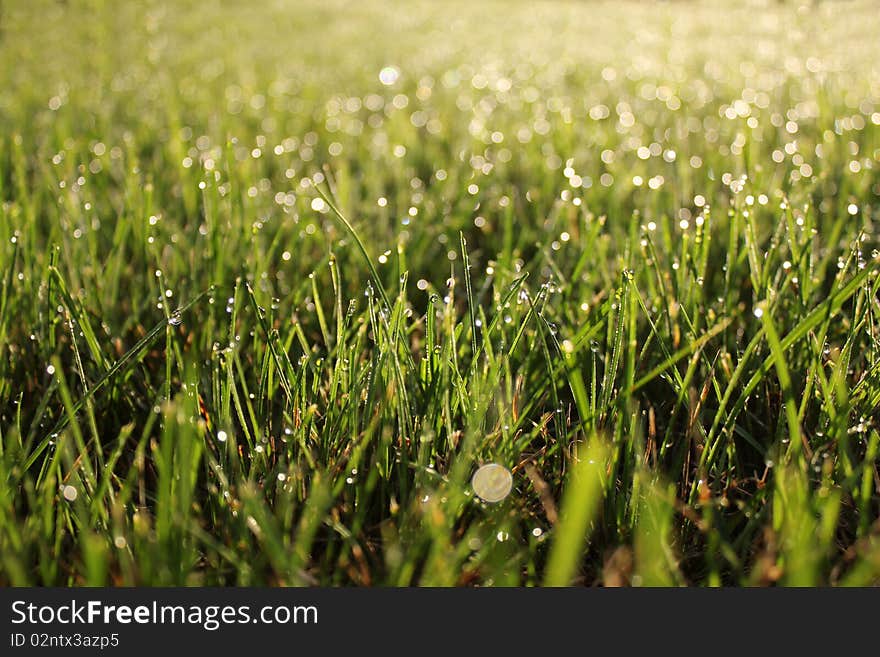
x=278, y=277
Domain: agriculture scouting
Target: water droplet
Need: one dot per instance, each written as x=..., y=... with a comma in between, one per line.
x=389, y=75
x=492, y=482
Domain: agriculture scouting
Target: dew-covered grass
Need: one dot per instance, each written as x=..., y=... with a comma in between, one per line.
x=279, y=277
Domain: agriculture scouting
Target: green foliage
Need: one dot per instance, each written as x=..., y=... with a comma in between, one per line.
x=277, y=277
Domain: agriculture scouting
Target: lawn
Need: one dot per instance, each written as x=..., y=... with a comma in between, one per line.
x=279, y=277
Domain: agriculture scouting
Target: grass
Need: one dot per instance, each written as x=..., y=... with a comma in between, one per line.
x=278, y=278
